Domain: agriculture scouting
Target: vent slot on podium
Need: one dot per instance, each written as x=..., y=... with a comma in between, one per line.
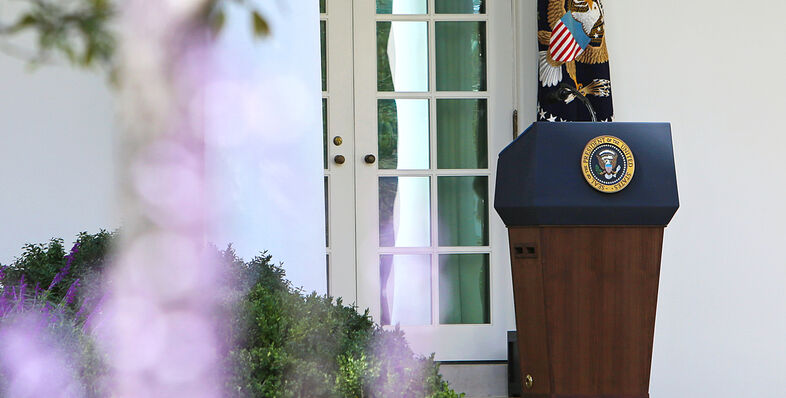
x=525, y=250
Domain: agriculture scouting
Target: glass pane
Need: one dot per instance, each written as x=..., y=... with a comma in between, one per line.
x=322, y=6
x=327, y=214
x=461, y=56
x=324, y=132
x=463, y=211
x=462, y=134
x=401, y=7
x=402, y=56
x=323, y=37
x=404, y=212
x=460, y=6
x=464, y=288
x=405, y=292
x=403, y=134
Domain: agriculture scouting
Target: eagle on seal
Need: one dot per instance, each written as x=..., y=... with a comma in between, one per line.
x=607, y=160
x=577, y=35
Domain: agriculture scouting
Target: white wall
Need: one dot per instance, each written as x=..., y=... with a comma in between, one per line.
x=713, y=69
x=57, y=132
x=56, y=155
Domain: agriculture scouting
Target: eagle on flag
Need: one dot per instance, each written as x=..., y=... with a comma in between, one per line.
x=572, y=51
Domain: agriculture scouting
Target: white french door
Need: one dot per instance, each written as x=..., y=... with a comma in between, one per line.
x=421, y=94
x=338, y=119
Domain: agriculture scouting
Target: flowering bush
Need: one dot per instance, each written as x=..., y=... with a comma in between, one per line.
x=47, y=325
x=281, y=342
x=50, y=266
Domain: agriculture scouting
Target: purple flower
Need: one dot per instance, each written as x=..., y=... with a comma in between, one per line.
x=69, y=297
x=22, y=287
x=87, y=327
x=34, y=361
x=82, y=309
x=64, y=271
x=5, y=306
x=50, y=313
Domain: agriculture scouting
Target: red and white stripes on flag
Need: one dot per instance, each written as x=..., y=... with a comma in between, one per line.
x=568, y=39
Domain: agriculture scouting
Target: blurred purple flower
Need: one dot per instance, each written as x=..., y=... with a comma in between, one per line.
x=87, y=327
x=64, y=271
x=82, y=309
x=69, y=297
x=32, y=363
x=22, y=288
x=5, y=306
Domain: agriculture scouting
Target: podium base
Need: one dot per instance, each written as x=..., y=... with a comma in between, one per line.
x=585, y=301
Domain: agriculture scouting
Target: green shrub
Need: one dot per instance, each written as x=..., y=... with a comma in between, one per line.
x=39, y=263
x=283, y=343
x=47, y=315
x=293, y=345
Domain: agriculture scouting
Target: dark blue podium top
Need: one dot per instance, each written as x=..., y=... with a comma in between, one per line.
x=540, y=179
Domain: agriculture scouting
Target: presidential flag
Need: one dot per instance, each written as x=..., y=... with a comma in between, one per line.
x=572, y=51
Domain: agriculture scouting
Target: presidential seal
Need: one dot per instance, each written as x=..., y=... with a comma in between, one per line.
x=607, y=164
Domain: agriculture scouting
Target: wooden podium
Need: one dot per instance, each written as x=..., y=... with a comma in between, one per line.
x=585, y=263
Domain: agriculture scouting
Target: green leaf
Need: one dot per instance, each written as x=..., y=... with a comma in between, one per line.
x=101, y=5
x=25, y=21
x=261, y=27
x=90, y=52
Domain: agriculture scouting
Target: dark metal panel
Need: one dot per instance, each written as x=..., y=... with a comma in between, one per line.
x=539, y=179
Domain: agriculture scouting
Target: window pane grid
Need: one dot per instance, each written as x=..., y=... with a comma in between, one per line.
x=428, y=18
x=431, y=7
x=460, y=7
x=463, y=58
x=463, y=280
x=432, y=95
x=435, y=251
x=323, y=51
x=432, y=172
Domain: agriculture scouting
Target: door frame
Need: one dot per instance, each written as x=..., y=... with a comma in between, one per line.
x=448, y=342
x=340, y=208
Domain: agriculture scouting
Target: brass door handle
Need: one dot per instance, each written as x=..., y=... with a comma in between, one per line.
x=339, y=159
x=370, y=159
